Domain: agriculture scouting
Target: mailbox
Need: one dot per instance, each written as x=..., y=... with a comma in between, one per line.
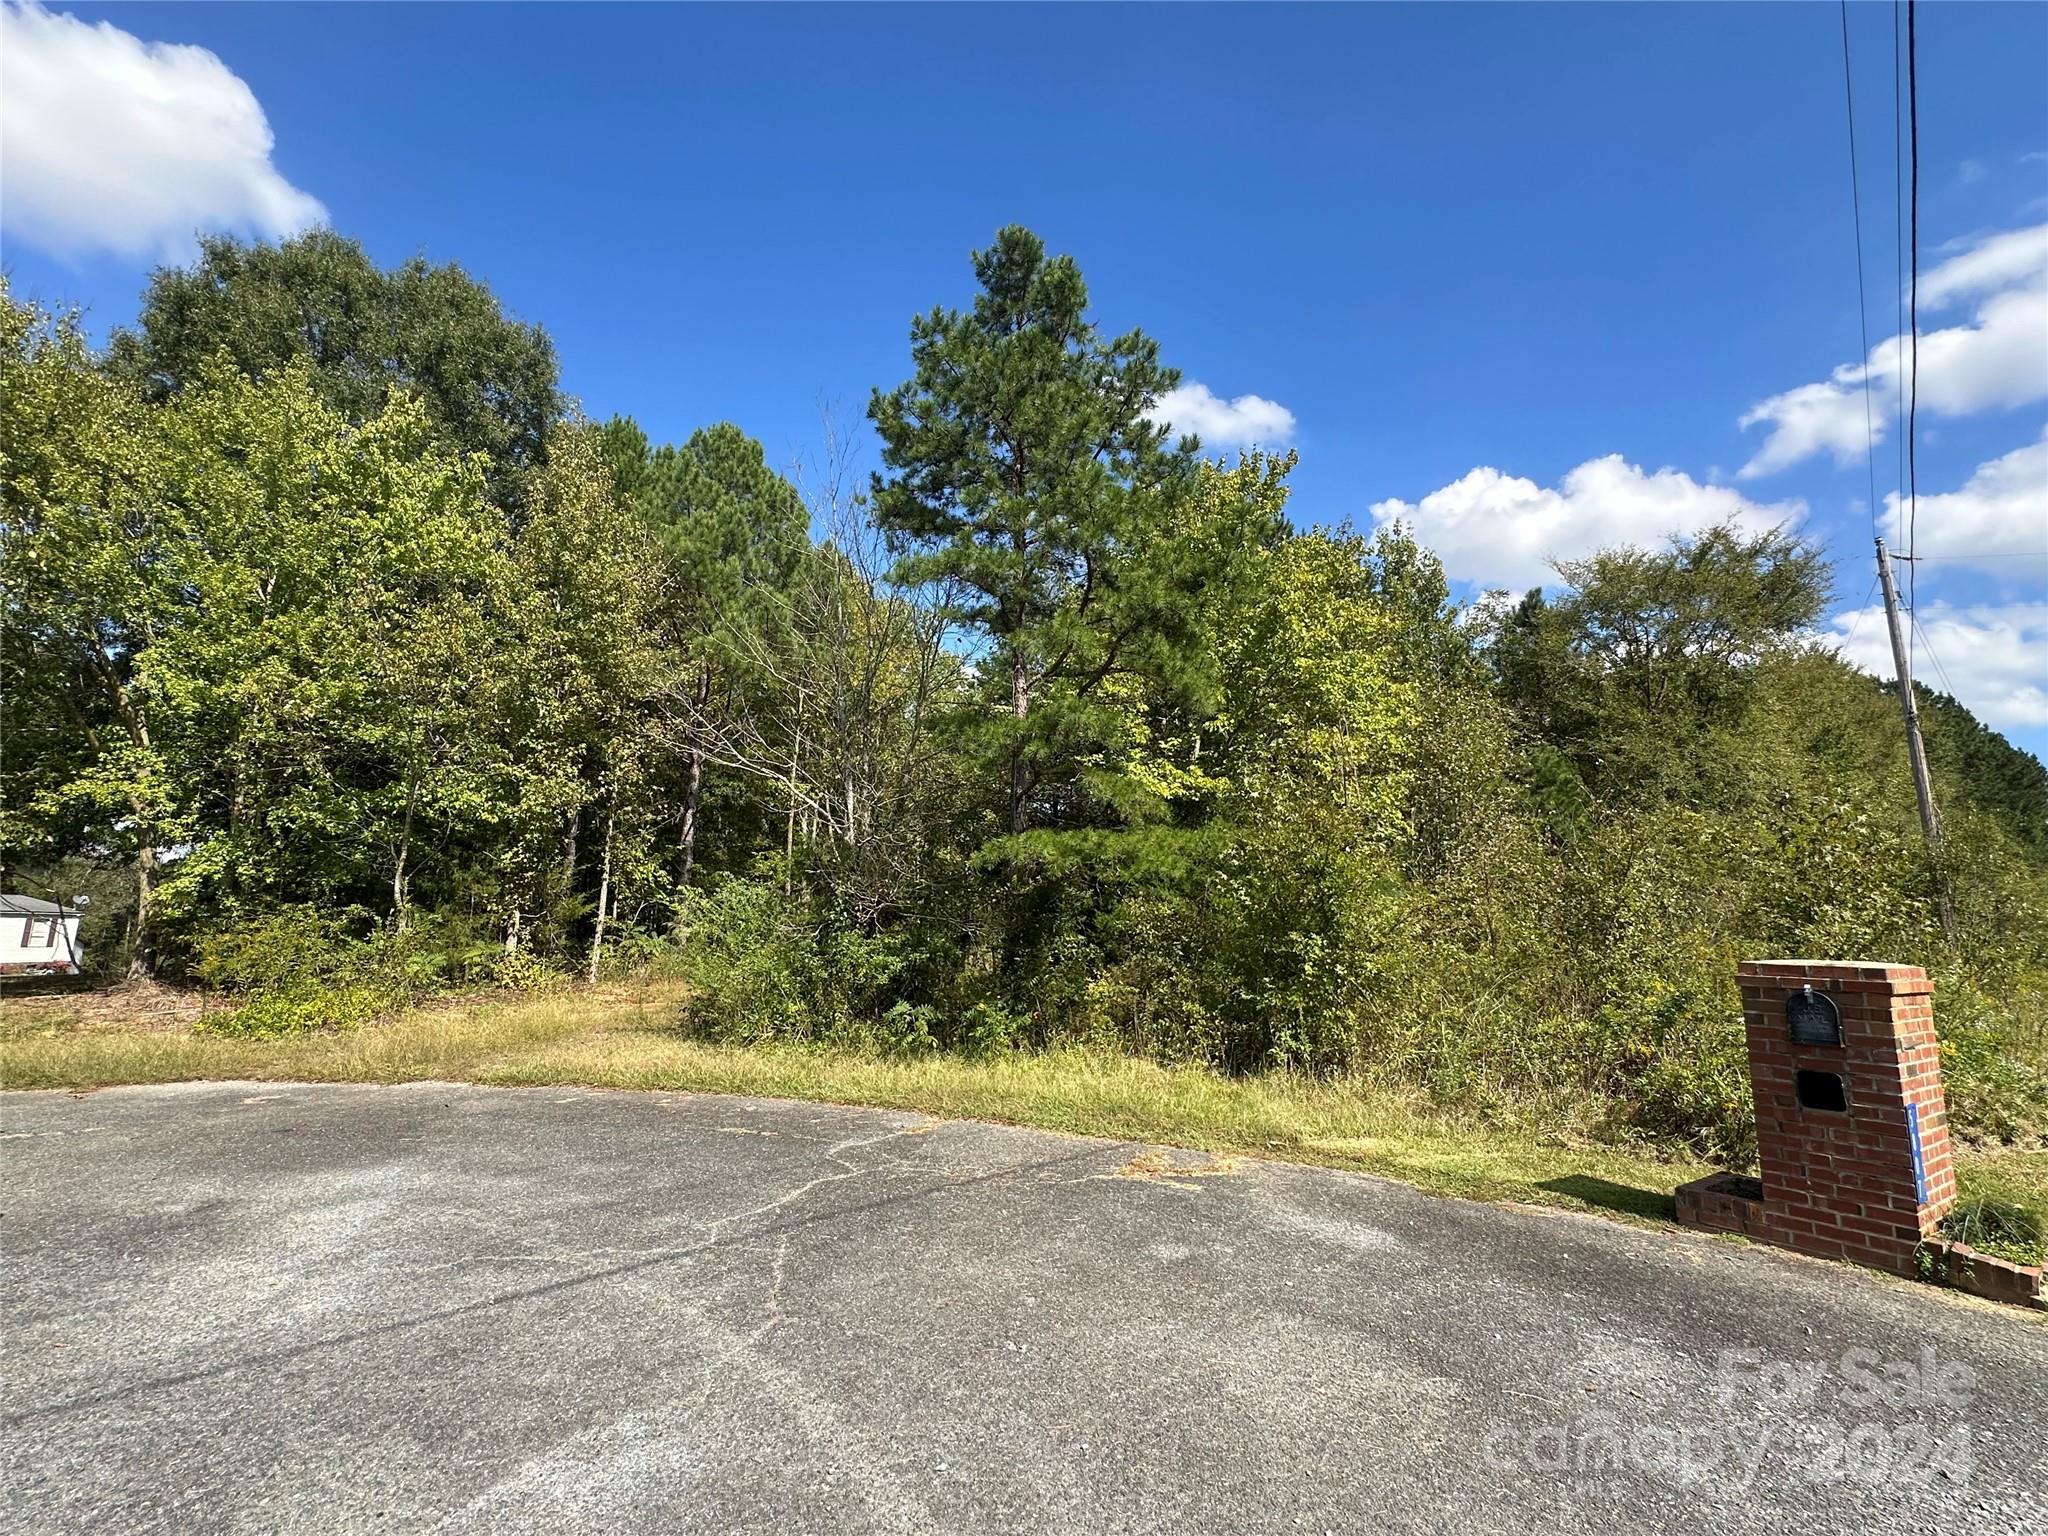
x=1852, y=1138
x=1812, y=1018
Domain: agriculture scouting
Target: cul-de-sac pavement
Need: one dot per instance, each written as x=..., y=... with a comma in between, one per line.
x=275, y=1308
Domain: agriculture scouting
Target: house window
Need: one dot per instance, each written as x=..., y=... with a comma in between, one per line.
x=39, y=933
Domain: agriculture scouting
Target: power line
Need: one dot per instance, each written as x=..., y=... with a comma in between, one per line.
x=1982, y=554
x=1862, y=303
x=1862, y=613
x=1902, y=635
x=1913, y=306
x=1916, y=749
x=1899, y=225
x=1927, y=645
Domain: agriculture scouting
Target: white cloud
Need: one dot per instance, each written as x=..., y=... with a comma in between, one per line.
x=2000, y=512
x=2014, y=259
x=1998, y=359
x=1221, y=423
x=1816, y=418
x=111, y=143
x=1993, y=658
x=1970, y=172
x=1503, y=531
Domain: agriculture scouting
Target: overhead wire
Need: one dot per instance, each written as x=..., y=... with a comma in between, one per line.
x=1913, y=310
x=1898, y=232
x=1988, y=554
x=1862, y=613
x=1940, y=671
x=1862, y=301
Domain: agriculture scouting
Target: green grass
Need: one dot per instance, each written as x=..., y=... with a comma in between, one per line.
x=626, y=1035
x=2002, y=1205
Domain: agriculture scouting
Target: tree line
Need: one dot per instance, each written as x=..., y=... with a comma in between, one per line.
x=338, y=644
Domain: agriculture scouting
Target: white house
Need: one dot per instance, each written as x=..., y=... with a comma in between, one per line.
x=38, y=938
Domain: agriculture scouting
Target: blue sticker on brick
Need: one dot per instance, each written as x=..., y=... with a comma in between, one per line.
x=1919, y=1163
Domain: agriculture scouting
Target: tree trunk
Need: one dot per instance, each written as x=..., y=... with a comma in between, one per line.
x=693, y=791
x=569, y=851
x=789, y=831
x=604, y=894
x=796, y=748
x=401, y=895
x=142, y=958
x=142, y=949
x=1020, y=706
x=399, y=903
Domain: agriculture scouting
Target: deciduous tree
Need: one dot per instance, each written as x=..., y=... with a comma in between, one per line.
x=488, y=381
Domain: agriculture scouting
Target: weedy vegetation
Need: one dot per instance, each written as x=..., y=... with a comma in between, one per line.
x=1051, y=773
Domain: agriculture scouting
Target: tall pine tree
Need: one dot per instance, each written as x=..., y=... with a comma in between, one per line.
x=1027, y=474
x=731, y=531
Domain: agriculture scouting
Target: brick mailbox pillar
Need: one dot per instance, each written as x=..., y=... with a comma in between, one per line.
x=1852, y=1131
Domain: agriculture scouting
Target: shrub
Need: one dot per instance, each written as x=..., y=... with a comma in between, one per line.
x=293, y=971
x=271, y=952
x=752, y=955
x=298, y=1008
x=521, y=970
x=630, y=951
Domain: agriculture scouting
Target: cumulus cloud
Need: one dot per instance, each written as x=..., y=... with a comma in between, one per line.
x=108, y=143
x=2013, y=259
x=1503, y=531
x=1221, y=423
x=1993, y=658
x=2000, y=512
x=1998, y=358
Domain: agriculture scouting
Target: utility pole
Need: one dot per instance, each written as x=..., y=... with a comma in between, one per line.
x=1930, y=818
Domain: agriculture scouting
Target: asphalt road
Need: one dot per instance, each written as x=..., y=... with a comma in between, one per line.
x=264, y=1308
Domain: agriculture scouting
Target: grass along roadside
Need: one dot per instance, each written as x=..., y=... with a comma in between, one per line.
x=624, y=1035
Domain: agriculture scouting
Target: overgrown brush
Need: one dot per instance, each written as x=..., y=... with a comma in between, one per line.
x=296, y=970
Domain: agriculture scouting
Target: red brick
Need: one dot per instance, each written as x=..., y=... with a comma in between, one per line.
x=1842, y=1184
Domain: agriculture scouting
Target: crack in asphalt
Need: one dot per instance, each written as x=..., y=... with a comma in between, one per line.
x=553, y=1288
x=672, y=1251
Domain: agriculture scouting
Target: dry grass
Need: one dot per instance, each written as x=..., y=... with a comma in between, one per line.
x=627, y=1035
x=55, y=1043
x=134, y=1006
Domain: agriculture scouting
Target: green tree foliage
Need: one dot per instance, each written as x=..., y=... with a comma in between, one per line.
x=303, y=652
x=488, y=382
x=332, y=611
x=85, y=529
x=1648, y=650
x=1996, y=777
x=731, y=532
x=1028, y=477
x=353, y=665
x=729, y=523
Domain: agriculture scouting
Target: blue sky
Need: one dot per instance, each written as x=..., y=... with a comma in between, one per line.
x=1517, y=274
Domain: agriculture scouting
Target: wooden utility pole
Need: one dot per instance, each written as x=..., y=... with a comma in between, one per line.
x=1916, y=753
